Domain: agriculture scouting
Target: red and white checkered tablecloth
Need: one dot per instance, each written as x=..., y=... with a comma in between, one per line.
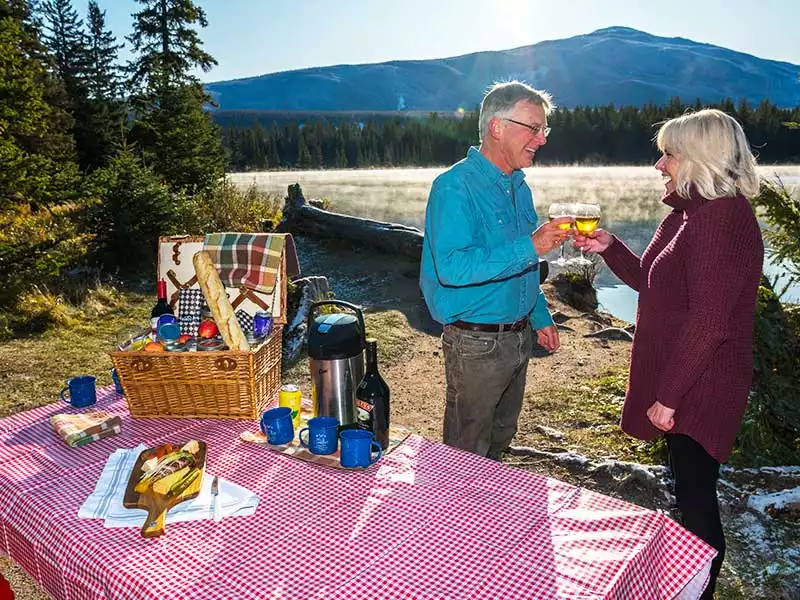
x=426, y=522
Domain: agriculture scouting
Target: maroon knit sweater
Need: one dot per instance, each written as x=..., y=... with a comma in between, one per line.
x=693, y=348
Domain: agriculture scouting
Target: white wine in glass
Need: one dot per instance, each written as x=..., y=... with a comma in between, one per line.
x=561, y=210
x=587, y=218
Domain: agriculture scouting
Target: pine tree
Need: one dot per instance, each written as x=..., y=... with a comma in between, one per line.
x=65, y=39
x=84, y=65
x=36, y=150
x=102, y=74
x=178, y=138
x=100, y=116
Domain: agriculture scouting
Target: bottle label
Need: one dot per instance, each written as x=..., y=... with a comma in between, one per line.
x=364, y=414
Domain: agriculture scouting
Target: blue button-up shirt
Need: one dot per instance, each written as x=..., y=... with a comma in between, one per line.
x=478, y=259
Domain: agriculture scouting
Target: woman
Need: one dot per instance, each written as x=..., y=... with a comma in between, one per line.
x=692, y=357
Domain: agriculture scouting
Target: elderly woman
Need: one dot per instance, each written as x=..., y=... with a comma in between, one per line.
x=692, y=357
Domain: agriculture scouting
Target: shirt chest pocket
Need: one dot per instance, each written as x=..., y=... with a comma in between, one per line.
x=500, y=219
x=529, y=219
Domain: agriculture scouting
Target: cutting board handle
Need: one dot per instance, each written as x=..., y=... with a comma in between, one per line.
x=156, y=513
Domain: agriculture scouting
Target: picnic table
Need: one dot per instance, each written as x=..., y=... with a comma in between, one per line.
x=425, y=522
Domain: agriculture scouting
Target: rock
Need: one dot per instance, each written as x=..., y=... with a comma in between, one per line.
x=310, y=289
x=553, y=434
x=576, y=291
x=559, y=317
x=611, y=333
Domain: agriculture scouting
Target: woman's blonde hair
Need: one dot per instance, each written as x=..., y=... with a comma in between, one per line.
x=713, y=154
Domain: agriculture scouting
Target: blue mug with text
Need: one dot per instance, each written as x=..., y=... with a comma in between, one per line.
x=276, y=423
x=323, y=435
x=356, y=449
x=82, y=391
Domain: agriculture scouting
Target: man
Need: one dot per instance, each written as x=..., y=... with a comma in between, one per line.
x=479, y=272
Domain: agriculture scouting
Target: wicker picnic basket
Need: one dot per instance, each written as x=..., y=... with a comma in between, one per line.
x=220, y=385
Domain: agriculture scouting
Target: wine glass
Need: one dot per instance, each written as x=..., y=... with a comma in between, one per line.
x=561, y=210
x=587, y=218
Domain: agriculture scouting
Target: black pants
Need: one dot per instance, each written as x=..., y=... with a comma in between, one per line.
x=696, y=473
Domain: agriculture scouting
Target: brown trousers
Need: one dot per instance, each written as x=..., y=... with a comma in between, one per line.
x=485, y=375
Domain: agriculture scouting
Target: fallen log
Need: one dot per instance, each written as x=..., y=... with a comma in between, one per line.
x=391, y=237
x=300, y=215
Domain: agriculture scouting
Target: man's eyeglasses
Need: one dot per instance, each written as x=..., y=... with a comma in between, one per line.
x=534, y=129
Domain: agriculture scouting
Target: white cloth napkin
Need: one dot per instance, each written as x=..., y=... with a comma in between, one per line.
x=105, y=502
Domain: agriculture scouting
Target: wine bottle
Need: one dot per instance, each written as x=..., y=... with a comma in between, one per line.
x=372, y=398
x=162, y=307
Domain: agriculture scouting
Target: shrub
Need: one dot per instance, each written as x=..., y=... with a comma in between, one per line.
x=130, y=209
x=781, y=211
x=229, y=208
x=37, y=246
x=770, y=433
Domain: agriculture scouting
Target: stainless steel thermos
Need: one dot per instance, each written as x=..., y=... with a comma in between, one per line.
x=336, y=345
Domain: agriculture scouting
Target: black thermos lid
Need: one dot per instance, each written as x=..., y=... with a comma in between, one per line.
x=335, y=336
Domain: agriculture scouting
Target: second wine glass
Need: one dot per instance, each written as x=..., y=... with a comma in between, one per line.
x=587, y=218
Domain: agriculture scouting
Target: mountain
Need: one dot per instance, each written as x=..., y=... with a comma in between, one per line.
x=617, y=64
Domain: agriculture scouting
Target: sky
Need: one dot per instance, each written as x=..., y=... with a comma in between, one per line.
x=253, y=37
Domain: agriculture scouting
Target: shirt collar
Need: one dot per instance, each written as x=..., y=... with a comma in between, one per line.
x=490, y=170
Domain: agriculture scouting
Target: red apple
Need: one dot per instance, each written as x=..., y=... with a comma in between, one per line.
x=184, y=338
x=207, y=329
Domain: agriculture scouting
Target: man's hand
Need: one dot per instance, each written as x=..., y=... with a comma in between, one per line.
x=597, y=241
x=548, y=338
x=549, y=235
x=661, y=416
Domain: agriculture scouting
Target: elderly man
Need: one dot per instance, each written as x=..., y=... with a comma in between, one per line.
x=479, y=272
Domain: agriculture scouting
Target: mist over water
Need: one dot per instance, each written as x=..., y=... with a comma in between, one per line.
x=629, y=197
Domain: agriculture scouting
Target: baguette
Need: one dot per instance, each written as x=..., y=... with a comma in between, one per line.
x=218, y=302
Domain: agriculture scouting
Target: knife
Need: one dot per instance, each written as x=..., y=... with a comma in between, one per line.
x=215, y=496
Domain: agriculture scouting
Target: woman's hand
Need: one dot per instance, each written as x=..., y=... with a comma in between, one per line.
x=597, y=241
x=661, y=416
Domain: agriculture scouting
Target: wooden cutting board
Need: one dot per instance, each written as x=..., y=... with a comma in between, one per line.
x=157, y=504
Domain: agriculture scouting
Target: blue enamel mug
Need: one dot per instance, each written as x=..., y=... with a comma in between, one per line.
x=323, y=435
x=356, y=448
x=82, y=391
x=276, y=423
x=117, y=383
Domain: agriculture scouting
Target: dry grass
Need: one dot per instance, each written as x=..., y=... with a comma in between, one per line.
x=33, y=369
x=588, y=415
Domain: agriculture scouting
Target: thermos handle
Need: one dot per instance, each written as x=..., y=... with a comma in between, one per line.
x=352, y=307
x=380, y=452
x=63, y=397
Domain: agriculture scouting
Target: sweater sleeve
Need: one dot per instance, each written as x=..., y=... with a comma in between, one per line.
x=722, y=245
x=623, y=262
x=453, y=228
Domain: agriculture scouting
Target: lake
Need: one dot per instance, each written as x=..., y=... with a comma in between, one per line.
x=629, y=198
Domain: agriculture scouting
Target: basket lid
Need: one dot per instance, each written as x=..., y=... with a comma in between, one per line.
x=175, y=266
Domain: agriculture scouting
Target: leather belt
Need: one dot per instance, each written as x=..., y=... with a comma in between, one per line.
x=492, y=327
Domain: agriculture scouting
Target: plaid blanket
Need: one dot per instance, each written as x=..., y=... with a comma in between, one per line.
x=82, y=428
x=252, y=260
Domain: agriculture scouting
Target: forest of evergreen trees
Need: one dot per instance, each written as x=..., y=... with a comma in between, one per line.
x=98, y=158
x=587, y=135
